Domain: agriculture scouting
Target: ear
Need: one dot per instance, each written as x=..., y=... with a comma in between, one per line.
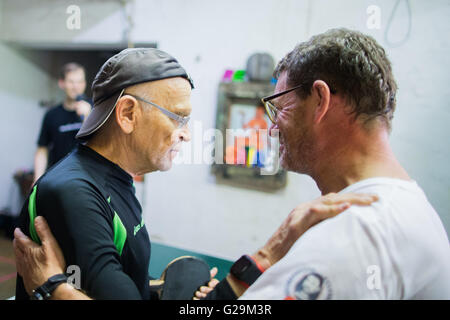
x=126, y=113
x=321, y=92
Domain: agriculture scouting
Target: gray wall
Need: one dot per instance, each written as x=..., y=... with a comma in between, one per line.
x=185, y=207
x=22, y=85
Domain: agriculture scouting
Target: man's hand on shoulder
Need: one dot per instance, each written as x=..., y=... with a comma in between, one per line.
x=303, y=217
x=36, y=263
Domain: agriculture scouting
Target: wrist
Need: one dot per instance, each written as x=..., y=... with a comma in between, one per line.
x=46, y=290
x=62, y=292
x=47, y=274
x=262, y=259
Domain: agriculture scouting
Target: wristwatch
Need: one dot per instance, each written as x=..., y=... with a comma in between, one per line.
x=45, y=291
x=246, y=270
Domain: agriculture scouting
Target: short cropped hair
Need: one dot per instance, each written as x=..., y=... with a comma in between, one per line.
x=351, y=63
x=69, y=67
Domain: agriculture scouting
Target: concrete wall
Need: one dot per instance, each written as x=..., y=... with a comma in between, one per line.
x=185, y=207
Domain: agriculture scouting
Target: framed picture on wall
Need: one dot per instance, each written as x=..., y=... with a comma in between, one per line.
x=250, y=154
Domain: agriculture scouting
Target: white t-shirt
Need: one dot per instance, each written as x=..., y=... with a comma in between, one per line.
x=396, y=248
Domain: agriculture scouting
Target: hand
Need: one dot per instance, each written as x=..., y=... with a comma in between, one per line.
x=304, y=217
x=204, y=290
x=82, y=108
x=36, y=263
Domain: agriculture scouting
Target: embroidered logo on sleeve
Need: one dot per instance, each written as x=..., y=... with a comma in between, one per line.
x=307, y=284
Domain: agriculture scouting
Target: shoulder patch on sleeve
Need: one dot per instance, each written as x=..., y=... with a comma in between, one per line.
x=307, y=284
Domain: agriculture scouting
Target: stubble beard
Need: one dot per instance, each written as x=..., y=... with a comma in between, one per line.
x=298, y=155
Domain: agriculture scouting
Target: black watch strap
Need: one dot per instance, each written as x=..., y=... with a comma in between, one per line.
x=45, y=291
x=246, y=270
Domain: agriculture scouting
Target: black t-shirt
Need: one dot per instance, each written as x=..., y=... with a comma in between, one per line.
x=90, y=205
x=58, y=132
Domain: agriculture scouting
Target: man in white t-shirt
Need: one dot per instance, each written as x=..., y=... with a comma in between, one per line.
x=333, y=106
x=394, y=249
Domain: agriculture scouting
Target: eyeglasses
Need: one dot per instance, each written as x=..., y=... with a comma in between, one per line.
x=182, y=121
x=271, y=110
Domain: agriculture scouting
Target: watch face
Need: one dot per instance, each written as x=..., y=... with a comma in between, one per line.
x=241, y=265
x=245, y=270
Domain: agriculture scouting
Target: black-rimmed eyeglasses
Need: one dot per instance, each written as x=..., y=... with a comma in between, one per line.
x=271, y=110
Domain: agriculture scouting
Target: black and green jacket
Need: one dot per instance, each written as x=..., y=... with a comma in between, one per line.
x=90, y=205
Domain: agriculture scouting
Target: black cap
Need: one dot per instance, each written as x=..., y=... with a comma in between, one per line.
x=127, y=68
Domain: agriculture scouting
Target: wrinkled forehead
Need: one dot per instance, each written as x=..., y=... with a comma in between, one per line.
x=178, y=88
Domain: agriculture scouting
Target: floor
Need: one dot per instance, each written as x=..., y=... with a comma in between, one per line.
x=7, y=269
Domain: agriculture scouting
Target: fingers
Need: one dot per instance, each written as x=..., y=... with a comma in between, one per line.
x=321, y=212
x=329, y=209
x=21, y=241
x=19, y=244
x=203, y=291
x=43, y=230
x=50, y=246
x=199, y=295
x=333, y=204
x=352, y=198
x=19, y=257
x=213, y=272
x=212, y=284
x=360, y=199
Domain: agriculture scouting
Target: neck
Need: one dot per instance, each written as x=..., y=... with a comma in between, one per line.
x=69, y=104
x=356, y=159
x=114, y=152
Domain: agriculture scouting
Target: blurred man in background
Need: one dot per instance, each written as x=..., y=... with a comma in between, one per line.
x=61, y=123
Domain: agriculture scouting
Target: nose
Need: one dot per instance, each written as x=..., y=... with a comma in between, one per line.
x=184, y=134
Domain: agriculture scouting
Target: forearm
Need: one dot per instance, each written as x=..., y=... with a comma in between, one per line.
x=66, y=292
x=40, y=162
x=261, y=258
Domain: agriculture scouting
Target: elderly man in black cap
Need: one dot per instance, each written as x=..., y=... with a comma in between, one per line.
x=89, y=199
x=141, y=109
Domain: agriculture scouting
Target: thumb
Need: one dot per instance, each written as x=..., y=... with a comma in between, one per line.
x=43, y=230
x=213, y=272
